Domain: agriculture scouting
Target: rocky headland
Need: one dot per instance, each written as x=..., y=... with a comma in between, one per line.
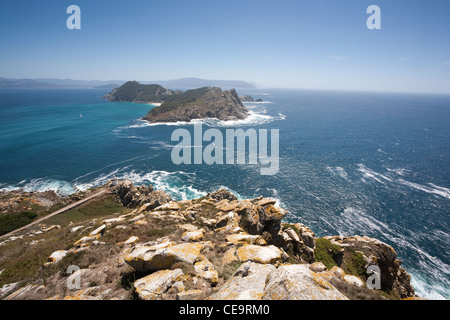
x=214, y=247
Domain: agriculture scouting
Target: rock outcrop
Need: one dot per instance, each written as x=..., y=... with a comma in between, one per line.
x=374, y=252
x=298, y=282
x=215, y=247
x=132, y=196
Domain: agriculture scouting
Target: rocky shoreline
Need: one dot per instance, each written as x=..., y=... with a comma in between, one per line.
x=216, y=247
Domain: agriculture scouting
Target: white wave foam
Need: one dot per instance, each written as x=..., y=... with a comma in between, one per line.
x=277, y=197
x=357, y=221
x=432, y=291
x=400, y=171
x=39, y=185
x=258, y=102
x=433, y=189
x=254, y=118
x=338, y=171
x=368, y=173
x=177, y=184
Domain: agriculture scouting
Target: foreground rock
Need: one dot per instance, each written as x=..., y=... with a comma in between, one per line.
x=245, y=286
x=215, y=247
x=298, y=282
x=153, y=258
x=154, y=285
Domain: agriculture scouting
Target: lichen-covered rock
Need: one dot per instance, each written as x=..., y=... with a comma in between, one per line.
x=228, y=222
x=374, y=252
x=100, y=230
x=168, y=206
x=56, y=257
x=298, y=282
x=189, y=295
x=245, y=286
x=225, y=205
x=259, y=254
x=245, y=238
x=296, y=239
x=154, y=285
x=256, y=219
x=86, y=240
x=222, y=194
x=229, y=256
x=205, y=269
x=153, y=258
x=353, y=280
x=317, y=267
x=193, y=235
x=133, y=196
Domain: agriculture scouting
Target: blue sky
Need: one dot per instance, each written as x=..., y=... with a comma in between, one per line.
x=293, y=44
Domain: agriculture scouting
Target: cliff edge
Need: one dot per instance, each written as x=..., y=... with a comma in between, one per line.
x=214, y=247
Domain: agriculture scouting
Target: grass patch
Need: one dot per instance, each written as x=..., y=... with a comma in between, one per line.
x=15, y=220
x=228, y=270
x=325, y=252
x=355, y=264
x=21, y=261
x=90, y=210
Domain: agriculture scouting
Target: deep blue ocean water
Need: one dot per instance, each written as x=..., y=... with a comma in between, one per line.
x=350, y=163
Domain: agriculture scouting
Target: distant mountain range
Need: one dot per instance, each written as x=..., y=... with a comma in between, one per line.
x=52, y=83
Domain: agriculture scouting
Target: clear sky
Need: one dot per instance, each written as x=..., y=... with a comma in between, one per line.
x=313, y=44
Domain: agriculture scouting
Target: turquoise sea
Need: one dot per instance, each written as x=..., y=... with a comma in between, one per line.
x=373, y=164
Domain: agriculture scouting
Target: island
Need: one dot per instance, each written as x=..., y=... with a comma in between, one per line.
x=201, y=103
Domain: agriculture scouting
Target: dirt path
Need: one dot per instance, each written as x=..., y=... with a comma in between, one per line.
x=59, y=211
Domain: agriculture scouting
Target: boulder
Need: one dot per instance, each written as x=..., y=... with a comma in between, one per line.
x=193, y=235
x=131, y=240
x=222, y=194
x=318, y=267
x=205, y=270
x=248, y=287
x=354, y=280
x=265, y=202
x=259, y=254
x=229, y=256
x=84, y=241
x=189, y=295
x=228, y=222
x=100, y=230
x=245, y=238
x=298, y=282
x=153, y=258
x=154, y=285
x=171, y=206
x=56, y=257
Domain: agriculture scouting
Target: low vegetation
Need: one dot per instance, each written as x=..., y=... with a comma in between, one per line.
x=326, y=252
x=15, y=220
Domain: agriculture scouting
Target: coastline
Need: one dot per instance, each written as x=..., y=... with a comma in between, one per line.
x=251, y=238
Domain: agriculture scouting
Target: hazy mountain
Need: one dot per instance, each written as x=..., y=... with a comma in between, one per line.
x=48, y=83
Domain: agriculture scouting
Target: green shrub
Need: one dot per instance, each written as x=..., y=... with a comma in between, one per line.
x=15, y=220
x=355, y=264
x=325, y=252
